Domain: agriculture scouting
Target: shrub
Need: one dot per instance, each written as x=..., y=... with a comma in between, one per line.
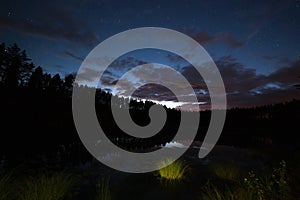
x=5, y=180
x=274, y=186
x=102, y=190
x=270, y=187
x=172, y=171
x=211, y=192
x=46, y=187
x=228, y=171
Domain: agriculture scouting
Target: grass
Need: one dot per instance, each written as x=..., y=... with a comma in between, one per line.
x=214, y=193
x=5, y=185
x=226, y=170
x=253, y=187
x=102, y=190
x=275, y=183
x=172, y=171
x=46, y=187
x=274, y=186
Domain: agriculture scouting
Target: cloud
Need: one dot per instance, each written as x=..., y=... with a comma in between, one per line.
x=111, y=74
x=228, y=40
x=123, y=64
x=88, y=75
x=53, y=23
x=155, y=92
x=245, y=87
x=60, y=69
x=236, y=76
x=73, y=56
x=119, y=67
x=278, y=59
x=203, y=37
x=287, y=75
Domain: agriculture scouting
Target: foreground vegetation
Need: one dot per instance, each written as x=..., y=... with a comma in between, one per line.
x=103, y=190
x=275, y=185
x=172, y=171
x=227, y=184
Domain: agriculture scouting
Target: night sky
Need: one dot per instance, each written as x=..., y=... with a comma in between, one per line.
x=255, y=44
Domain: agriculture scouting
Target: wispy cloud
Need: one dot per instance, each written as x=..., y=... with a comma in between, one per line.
x=203, y=37
x=56, y=24
x=73, y=56
x=279, y=59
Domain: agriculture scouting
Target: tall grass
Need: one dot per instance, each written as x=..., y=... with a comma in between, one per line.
x=211, y=192
x=5, y=185
x=274, y=186
x=226, y=170
x=253, y=187
x=102, y=190
x=172, y=171
x=46, y=187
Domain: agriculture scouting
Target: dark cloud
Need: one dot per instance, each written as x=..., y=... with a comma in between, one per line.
x=126, y=63
x=237, y=77
x=53, y=23
x=89, y=75
x=244, y=87
x=279, y=59
x=247, y=88
x=108, y=81
x=120, y=66
x=194, y=78
x=111, y=74
x=286, y=75
x=73, y=56
x=228, y=40
x=268, y=57
x=204, y=37
x=155, y=92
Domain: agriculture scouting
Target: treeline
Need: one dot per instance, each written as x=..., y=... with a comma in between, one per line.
x=36, y=117
x=36, y=112
x=17, y=71
x=275, y=125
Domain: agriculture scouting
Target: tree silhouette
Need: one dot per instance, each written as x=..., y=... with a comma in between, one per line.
x=36, y=79
x=16, y=67
x=46, y=80
x=56, y=83
x=68, y=82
